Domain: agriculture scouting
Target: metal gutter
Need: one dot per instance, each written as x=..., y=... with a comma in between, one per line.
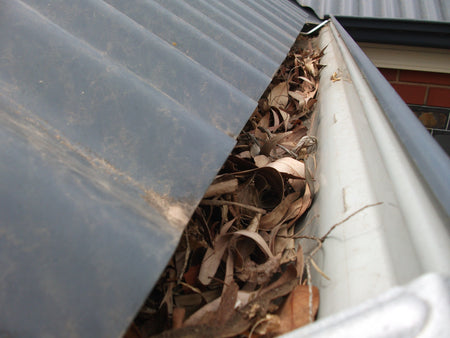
x=362, y=160
x=419, y=309
x=430, y=160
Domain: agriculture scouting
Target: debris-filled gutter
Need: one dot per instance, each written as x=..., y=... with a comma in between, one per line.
x=372, y=150
x=114, y=118
x=238, y=251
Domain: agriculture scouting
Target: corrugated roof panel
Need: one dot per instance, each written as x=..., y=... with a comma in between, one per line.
x=429, y=10
x=114, y=118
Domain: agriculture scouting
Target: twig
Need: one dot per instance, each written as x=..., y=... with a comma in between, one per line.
x=223, y=202
x=294, y=155
x=195, y=290
x=186, y=258
x=318, y=269
x=347, y=218
x=310, y=300
x=322, y=239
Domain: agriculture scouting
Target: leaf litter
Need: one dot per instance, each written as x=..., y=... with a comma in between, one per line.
x=237, y=270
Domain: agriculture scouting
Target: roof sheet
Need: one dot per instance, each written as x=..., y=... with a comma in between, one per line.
x=429, y=10
x=114, y=118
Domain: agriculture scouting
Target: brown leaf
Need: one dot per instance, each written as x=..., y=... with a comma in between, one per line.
x=295, y=311
x=276, y=215
x=310, y=81
x=178, y=317
x=212, y=259
x=256, y=238
x=270, y=323
x=311, y=67
x=278, y=96
x=241, y=319
x=290, y=166
x=229, y=272
x=269, y=185
x=299, y=207
x=227, y=303
x=281, y=241
x=300, y=264
x=299, y=96
x=194, y=300
x=261, y=160
x=272, y=142
x=190, y=276
x=242, y=299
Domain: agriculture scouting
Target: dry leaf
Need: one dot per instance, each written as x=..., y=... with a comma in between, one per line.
x=300, y=264
x=335, y=77
x=288, y=165
x=310, y=66
x=212, y=258
x=295, y=311
x=178, y=317
x=262, y=244
x=261, y=160
x=278, y=96
x=300, y=97
x=272, y=142
x=276, y=215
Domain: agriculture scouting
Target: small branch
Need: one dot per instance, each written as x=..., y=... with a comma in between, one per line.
x=347, y=218
x=294, y=155
x=310, y=298
x=186, y=259
x=322, y=239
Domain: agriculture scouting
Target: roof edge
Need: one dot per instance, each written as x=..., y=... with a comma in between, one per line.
x=398, y=31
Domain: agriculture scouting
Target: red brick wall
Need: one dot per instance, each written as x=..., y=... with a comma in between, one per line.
x=428, y=96
x=421, y=88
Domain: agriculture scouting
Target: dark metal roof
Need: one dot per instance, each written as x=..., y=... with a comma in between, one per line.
x=114, y=118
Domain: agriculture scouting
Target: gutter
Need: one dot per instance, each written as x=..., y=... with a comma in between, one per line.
x=372, y=150
x=430, y=160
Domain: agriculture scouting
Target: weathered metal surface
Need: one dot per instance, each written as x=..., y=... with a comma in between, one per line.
x=429, y=10
x=114, y=118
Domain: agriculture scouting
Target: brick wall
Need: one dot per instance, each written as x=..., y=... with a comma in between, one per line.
x=423, y=88
x=428, y=95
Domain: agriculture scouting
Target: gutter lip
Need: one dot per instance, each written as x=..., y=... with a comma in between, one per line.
x=430, y=160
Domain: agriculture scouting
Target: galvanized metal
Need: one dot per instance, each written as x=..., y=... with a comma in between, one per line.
x=114, y=118
x=366, y=162
x=429, y=10
x=421, y=308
